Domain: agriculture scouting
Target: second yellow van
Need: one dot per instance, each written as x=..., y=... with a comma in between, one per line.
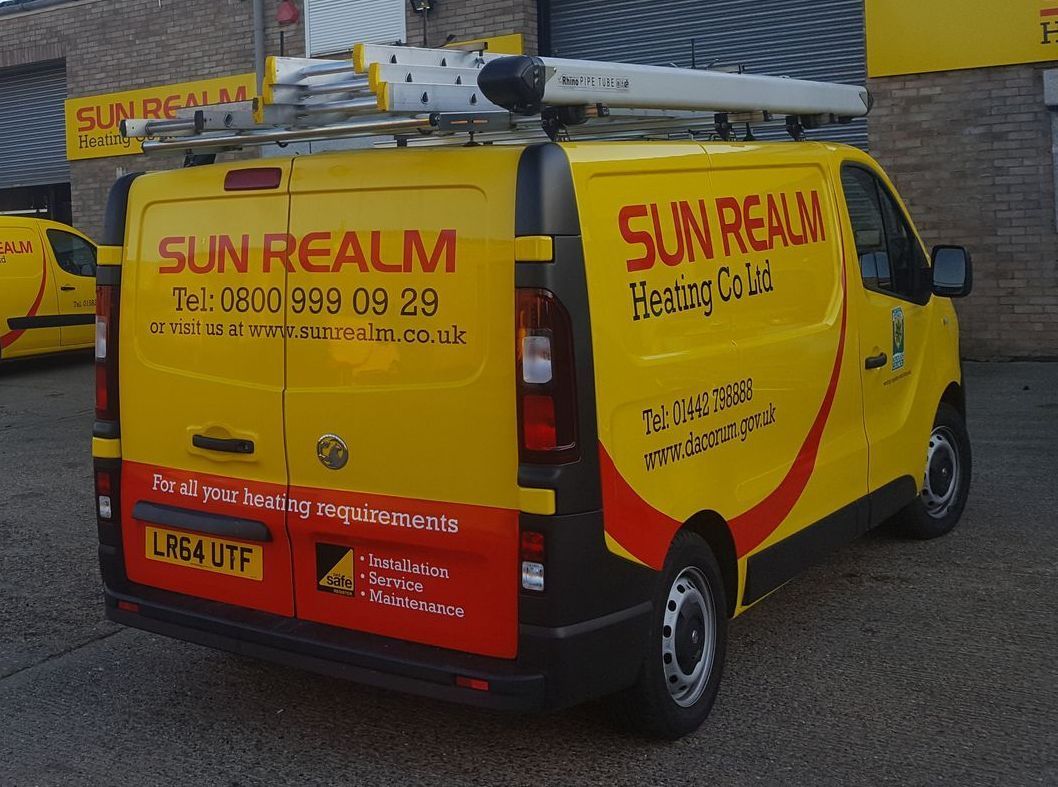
x=47, y=287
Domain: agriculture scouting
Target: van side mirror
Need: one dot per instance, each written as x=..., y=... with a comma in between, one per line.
x=952, y=272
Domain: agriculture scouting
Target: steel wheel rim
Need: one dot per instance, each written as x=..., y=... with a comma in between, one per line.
x=688, y=641
x=942, y=481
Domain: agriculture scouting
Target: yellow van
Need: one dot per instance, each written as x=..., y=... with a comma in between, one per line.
x=517, y=426
x=47, y=287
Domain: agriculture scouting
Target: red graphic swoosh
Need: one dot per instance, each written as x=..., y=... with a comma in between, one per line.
x=9, y=338
x=646, y=532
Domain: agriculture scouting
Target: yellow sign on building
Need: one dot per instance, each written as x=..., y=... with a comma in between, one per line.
x=919, y=36
x=93, y=122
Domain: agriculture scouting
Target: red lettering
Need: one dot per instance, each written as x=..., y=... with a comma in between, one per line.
x=152, y=108
x=730, y=226
x=226, y=250
x=795, y=239
x=376, y=255
x=167, y=252
x=754, y=224
x=350, y=253
x=692, y=230
x=86, y=119
x=227, y=98
x=635, y=237
x=306, y=252
x=211, y=261
x=281, y=255
x=446, y=244
x=676, y=256
x=813, y=225
x=775, y=225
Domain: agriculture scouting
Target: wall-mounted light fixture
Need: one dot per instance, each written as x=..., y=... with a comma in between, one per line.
x=423, y=9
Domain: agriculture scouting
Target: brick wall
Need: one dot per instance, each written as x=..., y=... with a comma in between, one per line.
x=112, y=45
x=970, y=151
x=467, y=19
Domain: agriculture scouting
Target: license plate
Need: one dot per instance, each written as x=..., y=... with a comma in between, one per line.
x=205, y=553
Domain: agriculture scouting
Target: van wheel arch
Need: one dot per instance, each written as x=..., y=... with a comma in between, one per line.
x=955, y=396
x=713, y=529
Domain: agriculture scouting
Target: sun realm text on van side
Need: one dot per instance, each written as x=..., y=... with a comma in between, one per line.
x=682, y=231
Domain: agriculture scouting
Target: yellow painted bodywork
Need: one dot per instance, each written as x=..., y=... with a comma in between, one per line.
x=33, y=285
x=424, y=416
x=786, y=341
x=910, y=37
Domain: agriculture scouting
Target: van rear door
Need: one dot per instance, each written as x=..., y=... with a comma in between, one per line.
x=204, y=476
x=400, y=407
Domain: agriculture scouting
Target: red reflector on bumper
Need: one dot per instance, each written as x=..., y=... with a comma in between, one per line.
x=128, y=606
x=472, y=683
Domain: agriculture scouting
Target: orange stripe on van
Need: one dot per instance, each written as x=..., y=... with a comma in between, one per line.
x=7, y=339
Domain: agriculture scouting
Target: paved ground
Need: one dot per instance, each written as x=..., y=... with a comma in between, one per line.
x=891, y=662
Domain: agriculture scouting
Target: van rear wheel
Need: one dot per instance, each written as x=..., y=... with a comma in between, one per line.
x=680, y=676
x=946, y=485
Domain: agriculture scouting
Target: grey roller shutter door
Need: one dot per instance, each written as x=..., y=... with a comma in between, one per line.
x=804, y=39
x=32, y=126
x=333, y=26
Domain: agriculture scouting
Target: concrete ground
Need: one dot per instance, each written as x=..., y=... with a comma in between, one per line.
x=892, y=661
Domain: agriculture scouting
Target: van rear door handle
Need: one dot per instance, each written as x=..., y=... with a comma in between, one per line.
x=876, y=361
x=228, y=446
x=67, y=288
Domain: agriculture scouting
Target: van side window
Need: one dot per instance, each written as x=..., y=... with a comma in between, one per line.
x=861, y=196
x=891, y=259
x=75, y=255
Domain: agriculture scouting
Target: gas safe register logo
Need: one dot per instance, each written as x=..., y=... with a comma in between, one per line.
x=334, y=569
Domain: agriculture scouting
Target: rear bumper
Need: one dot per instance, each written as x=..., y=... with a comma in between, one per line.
x=556, y=667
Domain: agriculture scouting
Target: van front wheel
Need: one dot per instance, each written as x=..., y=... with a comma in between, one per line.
x=946, y=485
x=680, y=676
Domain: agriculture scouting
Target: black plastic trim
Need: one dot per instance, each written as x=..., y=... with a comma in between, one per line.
x=554, y=668
x=778, y=564
x=545, y=203
x=891, y=498
x=116, y=212
x=200, y=522
x=108, y=275
x=515, y=83
x=50, y=321
x=108, y=430
x=583, y=579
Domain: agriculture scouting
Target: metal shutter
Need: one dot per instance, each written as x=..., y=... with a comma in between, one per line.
x=333, y=26
x=805, y=39
x=33, y=126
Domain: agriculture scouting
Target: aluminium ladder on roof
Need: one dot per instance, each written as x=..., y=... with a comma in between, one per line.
x=413, y=93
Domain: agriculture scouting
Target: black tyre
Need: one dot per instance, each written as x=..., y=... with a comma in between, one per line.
x=680, y=676
x=947, y=484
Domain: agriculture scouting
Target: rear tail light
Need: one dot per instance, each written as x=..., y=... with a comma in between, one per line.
x=106, y=352
x=105, y=488
x=532, y=553
x=547, y=401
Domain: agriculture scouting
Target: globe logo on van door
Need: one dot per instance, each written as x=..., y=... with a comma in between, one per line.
x=332, y=451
